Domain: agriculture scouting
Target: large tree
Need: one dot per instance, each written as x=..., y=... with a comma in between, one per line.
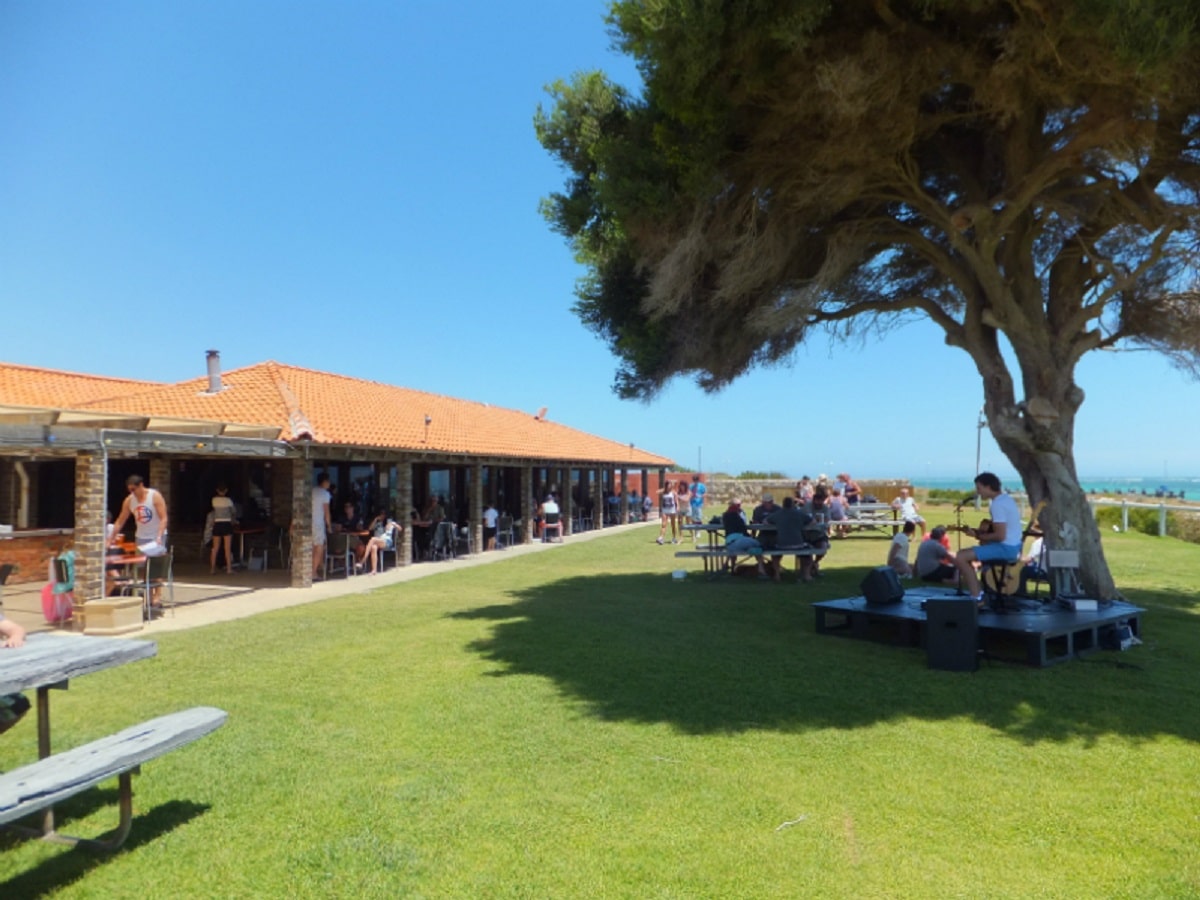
x=1024, y=173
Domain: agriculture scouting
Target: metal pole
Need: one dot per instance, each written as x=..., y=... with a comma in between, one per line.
x=979, y=446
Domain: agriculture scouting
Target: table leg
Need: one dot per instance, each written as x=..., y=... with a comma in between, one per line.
x=43, y=714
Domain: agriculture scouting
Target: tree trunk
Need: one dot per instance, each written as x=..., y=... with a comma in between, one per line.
x=1037, y=437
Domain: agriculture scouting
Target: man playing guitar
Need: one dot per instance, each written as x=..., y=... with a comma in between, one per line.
x=999, y=543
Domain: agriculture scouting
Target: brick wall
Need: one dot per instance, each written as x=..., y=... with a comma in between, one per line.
x=31, y=556
x=89, y=526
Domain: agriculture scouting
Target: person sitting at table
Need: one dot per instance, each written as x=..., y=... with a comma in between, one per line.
x=737, y=536
x=13, y=634
x=350, y=520
x=549, y=505
x=789, y=521
x=385, y=535
x=804, y=490
x=837, y=513
x=764, y=509
x=760, y=517
x=222, y=530
x=851, y=490
x=816, y=532
x=908, y=509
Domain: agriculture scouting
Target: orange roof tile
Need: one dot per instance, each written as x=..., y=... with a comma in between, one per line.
x=29, y=386
x=337, y=409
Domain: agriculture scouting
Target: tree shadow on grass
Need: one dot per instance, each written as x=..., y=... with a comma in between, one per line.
x=62, y=869
x=732, y=656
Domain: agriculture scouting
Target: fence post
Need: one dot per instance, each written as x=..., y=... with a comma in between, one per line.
x=1125, y=515
x=1162, y=520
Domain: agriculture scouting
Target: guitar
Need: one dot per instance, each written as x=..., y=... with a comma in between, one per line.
x=1012, y=573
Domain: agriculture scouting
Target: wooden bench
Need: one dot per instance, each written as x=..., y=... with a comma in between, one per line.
x=40, y=785
x=720, y=559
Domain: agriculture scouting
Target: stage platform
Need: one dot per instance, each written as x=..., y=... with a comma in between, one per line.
x=1028, y=631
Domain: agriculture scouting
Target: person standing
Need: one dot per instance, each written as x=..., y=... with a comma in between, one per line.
x=696, y=500
x=490, y=518
x=149, y=512
x=321, y=522
x=222, y=531
x=669, y=512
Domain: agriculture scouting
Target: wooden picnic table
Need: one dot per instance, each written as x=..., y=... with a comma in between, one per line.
x=49, y=661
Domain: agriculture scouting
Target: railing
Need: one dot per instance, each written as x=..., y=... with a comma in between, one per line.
x=1162, y=508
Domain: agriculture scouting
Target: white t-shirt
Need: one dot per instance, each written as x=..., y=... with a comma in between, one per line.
x=320, y=500
x=899, y=541
x=1003, y=508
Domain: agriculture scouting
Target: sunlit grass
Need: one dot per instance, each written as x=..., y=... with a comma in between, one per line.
x=576, y=724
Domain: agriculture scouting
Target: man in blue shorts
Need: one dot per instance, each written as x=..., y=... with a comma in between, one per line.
x=1002, y=543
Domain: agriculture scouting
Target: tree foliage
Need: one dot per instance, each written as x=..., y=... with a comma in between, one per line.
x=1018, y=167
x=1020, y=172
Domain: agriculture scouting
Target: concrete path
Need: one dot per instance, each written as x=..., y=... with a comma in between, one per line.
x=243, y=599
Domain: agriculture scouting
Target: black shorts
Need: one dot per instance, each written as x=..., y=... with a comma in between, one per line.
x=222, y=529
x=488, y=533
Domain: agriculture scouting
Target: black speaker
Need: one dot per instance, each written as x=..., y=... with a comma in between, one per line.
x=882, y=585
x=952, y=634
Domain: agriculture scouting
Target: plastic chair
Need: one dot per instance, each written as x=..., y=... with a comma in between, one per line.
x=159, y=576
x=443, y=541
x=504, y=532
x=271, y=541
x=552, y=522
x=339, y=554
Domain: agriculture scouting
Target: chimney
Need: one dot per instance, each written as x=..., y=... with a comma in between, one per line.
x=214, y=371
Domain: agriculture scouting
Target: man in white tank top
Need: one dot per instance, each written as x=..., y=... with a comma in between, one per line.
x=149, y=513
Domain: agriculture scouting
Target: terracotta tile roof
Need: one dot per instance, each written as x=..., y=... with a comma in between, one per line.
x=336, y=409
x=29, y=386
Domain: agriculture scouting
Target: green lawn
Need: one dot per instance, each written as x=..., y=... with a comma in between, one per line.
x=574, y=723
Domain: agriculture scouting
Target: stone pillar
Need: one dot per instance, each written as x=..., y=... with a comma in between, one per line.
x=404, y=505
x=527, y=498
x=89, y=526
x=476, y=515
x=302, y=536
x=623, y=515
x=160, y=480
x=598, y=497
x=568, y=503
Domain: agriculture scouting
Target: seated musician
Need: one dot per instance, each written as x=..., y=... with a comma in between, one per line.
x=1000, y=543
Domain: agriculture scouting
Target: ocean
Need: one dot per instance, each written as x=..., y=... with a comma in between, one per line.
x=1113, y=485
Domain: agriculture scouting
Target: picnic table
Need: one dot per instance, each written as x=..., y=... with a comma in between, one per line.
x=875, y=516
x=49, y=661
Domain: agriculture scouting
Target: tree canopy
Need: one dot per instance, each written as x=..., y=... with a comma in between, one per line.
x=1020, y=172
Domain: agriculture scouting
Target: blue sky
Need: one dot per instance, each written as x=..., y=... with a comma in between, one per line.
x=353, y=187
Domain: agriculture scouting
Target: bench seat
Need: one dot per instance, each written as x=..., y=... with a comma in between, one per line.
x=40, y=785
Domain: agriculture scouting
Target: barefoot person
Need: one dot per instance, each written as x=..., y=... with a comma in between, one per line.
x=669, y=512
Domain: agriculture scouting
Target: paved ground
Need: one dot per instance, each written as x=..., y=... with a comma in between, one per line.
x=203, y=599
